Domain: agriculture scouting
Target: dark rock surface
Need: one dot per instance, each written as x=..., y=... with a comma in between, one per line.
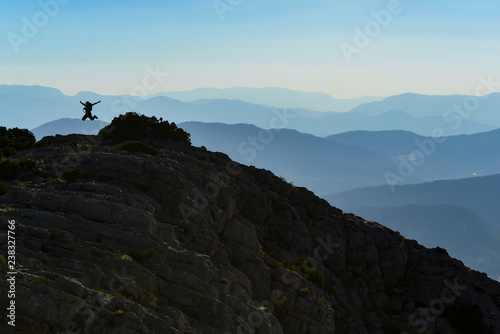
x=191, y=242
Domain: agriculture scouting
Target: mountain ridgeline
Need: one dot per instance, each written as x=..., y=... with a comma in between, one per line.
x=158, y=235
x=32, y=106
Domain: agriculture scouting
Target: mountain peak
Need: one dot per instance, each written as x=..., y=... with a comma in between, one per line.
x=32, y=91
x=184, y=239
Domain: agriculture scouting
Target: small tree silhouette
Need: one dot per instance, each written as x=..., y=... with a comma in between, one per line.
x=134, y=126
x=15, y=139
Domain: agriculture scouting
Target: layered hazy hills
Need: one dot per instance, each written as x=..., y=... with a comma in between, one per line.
x=450, y=157
x=306, y=160
x=414, y=104
x=321, y=166
x=66, y=126
x=31, y=106
x=188, y=241
x=461, y=215
x=478, y=193
x=483, y=109
x=273, y=96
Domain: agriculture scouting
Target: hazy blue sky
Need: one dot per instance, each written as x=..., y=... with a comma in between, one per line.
x=429, y=47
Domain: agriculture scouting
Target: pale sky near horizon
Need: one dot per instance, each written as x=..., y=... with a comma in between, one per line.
x=427, y=47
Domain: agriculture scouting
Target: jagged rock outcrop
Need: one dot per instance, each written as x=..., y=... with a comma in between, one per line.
x=190, y=242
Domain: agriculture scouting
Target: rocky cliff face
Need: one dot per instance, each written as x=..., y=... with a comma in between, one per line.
x=190, y=242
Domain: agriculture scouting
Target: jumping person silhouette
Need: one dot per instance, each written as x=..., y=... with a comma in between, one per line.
x=87, y=108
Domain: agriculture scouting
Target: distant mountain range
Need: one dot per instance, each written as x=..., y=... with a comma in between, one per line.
x=273, y=96
x=308, y=160
x=396, y=120
x=66, y=126
x=319, y=164
x=445, y=158
x=479, y=194
x=484, y=110
x=306, y=121
x=31, y=106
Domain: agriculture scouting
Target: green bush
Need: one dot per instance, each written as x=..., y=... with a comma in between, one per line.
x=71, y=174
x=134, y=126
x=15, y=139
x=4, y=189
x=139, y=255
x=137, y=147
x=306, y=269
x=11, y=168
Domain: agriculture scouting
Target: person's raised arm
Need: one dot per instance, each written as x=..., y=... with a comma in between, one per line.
x=83, y=104
x=96, y=103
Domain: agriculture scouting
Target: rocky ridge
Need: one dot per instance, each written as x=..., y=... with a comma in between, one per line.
x=188, y=241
